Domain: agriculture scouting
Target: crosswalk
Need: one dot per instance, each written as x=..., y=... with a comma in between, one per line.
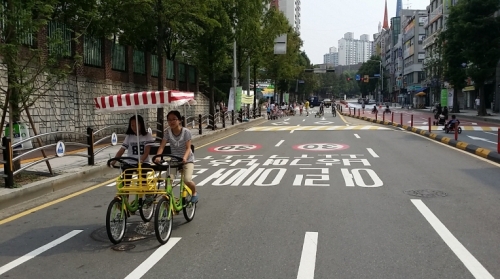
x=314, y=128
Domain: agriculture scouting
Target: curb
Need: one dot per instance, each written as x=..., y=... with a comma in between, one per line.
x=474, y=149
x=39, y=188
x=36, y=189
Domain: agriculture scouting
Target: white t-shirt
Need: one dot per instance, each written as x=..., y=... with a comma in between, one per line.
x=130, y=144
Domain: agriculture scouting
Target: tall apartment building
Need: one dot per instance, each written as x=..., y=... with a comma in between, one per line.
x=332, y=57
x=352, y=51
x=291, y=9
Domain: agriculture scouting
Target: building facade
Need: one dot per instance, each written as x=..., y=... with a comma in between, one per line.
x=291, y=10
x=352, y=51
x=332, y=57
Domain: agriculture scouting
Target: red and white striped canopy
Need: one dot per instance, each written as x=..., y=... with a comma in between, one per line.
x=144, y=100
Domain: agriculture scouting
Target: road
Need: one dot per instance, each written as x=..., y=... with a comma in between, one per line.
x=298, y=197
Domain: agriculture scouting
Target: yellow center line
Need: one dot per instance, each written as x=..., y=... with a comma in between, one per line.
x=342, y=118
x=45, y=205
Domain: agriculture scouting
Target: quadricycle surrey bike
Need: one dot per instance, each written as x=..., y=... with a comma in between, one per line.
x=154, y=196
x=151, y=185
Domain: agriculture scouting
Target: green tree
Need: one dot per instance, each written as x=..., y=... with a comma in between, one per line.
x=210, y=48
x=33, y=66
x=434, y=67
x=311, y=81
x=473, y=21
x=454, y=61
x=370, y=68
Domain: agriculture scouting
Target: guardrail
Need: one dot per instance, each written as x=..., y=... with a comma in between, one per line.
x=95, y=140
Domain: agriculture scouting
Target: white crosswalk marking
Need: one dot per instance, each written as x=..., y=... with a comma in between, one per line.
x=314, y=128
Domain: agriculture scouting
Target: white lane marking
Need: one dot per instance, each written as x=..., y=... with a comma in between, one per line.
x=308, y=257
x=357, y=136
x=303, y=120
x=372, y=153
x=153, y=259
x=474, y=123
x=298, y=124
x=472, y=264
x=291, y=132
x=491, y=133
x=347, y=125
x=38, y=251
x=279, y=143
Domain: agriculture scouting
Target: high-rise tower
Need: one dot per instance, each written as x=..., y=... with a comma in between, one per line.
x=399, y=7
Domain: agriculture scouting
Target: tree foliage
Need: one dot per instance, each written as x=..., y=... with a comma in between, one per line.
x=370, y=68
x=474, y=34
x=34, y=66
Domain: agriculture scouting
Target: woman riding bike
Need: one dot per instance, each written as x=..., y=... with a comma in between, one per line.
x=180, y=146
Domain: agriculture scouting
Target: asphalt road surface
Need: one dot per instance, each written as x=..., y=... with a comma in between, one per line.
x=298, y=197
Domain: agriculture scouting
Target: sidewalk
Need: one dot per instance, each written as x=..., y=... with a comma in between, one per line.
x=73, y=167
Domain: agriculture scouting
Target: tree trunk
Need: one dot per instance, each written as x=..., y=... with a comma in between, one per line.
x=482, y=100
x=456, y=107
x=161, y=71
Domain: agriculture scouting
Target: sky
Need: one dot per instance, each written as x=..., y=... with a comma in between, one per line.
x=324, y=22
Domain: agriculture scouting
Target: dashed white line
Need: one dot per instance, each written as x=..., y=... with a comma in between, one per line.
x=474, y=123
x=298, y=124
x=303, y=120
x=308, y=257
x=291, y=132
x=153, y=259
x=279, y=143
x=357, y=136
x=372, y=153
x=472, y=264
x=491, y=133
x=38, y=251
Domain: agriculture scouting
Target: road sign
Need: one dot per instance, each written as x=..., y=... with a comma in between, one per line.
x=376, y=75
x=114, y=139
x=60, y=149
x=321, y=147
x=235, y=148
x=358, y=77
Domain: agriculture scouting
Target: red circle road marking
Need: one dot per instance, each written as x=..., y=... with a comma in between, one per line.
x=321, y=146
x=235, y=148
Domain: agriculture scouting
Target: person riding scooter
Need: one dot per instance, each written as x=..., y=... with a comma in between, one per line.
x=387, y=109
x=454, y=122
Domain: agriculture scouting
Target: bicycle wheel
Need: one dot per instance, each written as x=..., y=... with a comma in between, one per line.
x=164, y=220
x=188, y=208
x=116, y=215
x=147, y=208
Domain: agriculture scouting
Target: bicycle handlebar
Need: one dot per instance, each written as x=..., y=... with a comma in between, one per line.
x=121, y=160
x=173, y=161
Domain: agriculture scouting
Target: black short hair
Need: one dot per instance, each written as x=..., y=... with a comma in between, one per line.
x=176, y=113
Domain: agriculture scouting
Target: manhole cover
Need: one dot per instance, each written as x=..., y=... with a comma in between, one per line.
x=426, y=193
x=123, y=247
x=135, y=231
